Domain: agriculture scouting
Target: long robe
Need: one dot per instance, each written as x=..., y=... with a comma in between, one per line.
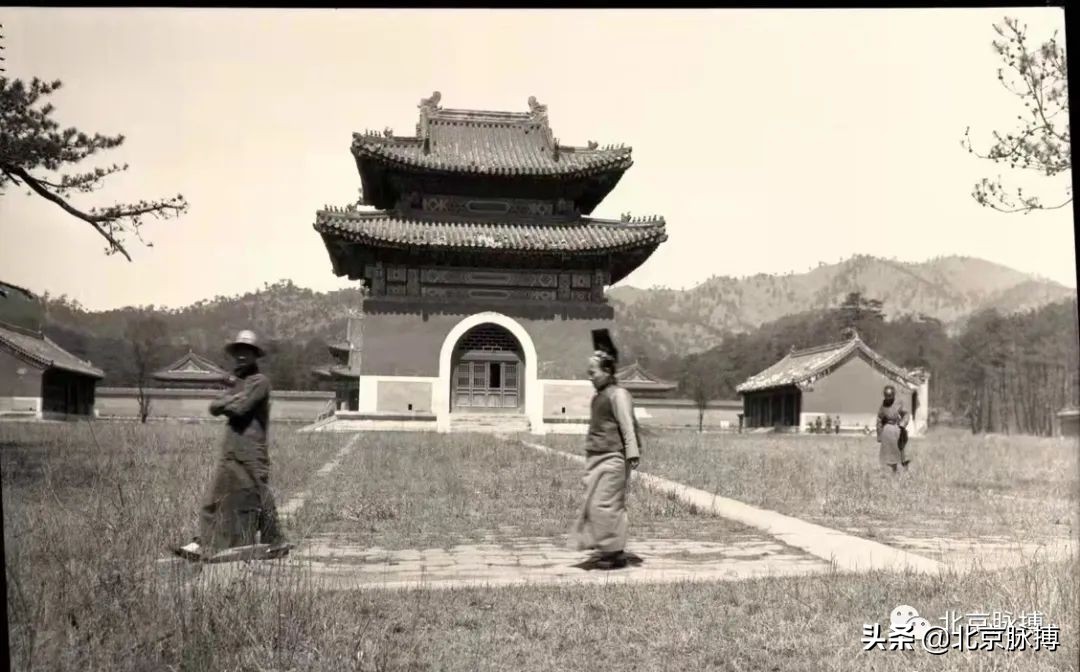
x=602, y=521
x=892, y=424
x=239, y=502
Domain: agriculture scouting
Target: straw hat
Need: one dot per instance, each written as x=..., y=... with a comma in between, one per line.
x=248, y=338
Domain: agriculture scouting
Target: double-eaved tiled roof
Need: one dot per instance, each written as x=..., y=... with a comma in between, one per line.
x=41, y=351
x=488, y=143
x=803, y=367
x=582, y=235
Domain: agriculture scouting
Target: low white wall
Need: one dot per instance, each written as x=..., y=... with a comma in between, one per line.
x=123, y=402
x=20, y=406
x=683, y=413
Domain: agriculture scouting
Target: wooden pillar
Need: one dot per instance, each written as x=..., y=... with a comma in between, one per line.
x=378, y=280
x=564, y=287
x=600, y=278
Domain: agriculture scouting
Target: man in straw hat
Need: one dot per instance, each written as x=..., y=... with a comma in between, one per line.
x=238, y=508
x=613, y=451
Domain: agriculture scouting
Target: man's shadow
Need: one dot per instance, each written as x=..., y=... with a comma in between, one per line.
x=598, y=562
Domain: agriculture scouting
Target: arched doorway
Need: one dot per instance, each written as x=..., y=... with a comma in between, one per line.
x=488, y=372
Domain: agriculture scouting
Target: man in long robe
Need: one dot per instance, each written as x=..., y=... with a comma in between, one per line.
x=238, y=508
x=892, y=422
x=612, y=453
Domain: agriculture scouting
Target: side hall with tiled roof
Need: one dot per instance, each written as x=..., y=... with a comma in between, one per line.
x=841, y=382
x=38, y=378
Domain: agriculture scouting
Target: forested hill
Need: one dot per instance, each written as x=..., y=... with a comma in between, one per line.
x=948, y=289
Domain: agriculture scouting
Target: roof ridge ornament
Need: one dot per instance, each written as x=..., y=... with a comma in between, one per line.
x=593, y=144
x=537, y=110
x=428, y=108
x=430, y=104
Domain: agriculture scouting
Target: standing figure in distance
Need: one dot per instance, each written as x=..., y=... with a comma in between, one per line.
x=892, y=421
x=612, y=451
x=238, y=507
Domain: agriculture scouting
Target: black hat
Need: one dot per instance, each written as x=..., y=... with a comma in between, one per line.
x=601, y=340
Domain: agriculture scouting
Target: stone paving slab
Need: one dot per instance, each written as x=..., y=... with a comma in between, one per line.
x=332, y=565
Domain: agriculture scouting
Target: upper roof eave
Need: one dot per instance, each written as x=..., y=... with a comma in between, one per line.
x=487, y=142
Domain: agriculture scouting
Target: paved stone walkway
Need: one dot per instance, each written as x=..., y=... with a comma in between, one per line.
x=849, y=553
x=330, y=564
x=290, y=507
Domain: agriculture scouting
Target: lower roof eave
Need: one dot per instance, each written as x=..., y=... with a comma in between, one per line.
x=618, y=262
x=407, y=305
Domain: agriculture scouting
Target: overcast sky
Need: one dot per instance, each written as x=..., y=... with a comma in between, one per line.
x=770, y=140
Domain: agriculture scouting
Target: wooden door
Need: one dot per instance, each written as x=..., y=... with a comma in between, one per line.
x=480, y=384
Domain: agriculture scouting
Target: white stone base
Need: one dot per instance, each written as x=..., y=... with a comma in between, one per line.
x=566, y=428
x=21, y=407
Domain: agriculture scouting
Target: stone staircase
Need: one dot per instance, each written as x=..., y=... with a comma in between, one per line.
x=489, y=423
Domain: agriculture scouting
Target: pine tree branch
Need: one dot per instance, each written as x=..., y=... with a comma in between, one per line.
x=94, y=221
x=1028, y=208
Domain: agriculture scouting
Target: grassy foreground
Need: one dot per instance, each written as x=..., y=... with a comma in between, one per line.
x=88, y=510
x=811, y=623
x=85, y=518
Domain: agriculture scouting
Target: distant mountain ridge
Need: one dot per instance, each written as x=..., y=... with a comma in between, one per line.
x=656, y=323
x=949, y=289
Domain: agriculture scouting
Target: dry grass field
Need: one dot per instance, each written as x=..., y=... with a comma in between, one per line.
x=87, y=515
x=1020, y=487
x=398, y=491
